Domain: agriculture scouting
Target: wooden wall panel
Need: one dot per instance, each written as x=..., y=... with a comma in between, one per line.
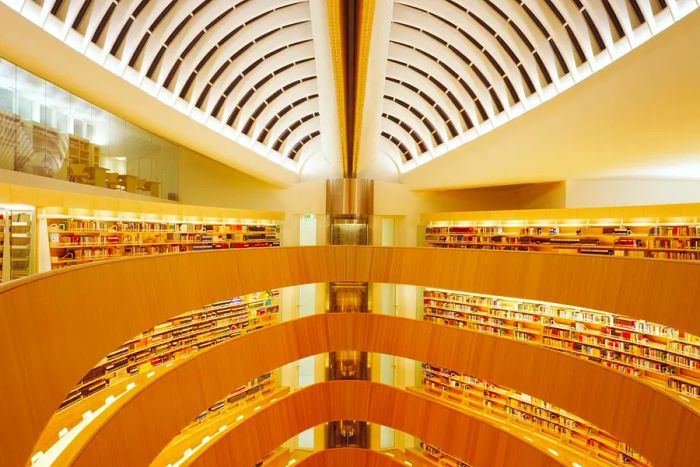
x=55, y=326
x=656, y=423
x=476, y=442
x=345, y=457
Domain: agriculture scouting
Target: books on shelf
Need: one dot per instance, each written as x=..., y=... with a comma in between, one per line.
x=16, y=243
x=74, y=241
x=639, y=239
x=657, y=353
x=508, y=406
x=178, y=337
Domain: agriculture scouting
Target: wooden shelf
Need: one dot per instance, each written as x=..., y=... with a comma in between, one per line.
x=74, y=241
x=538, y=416
x=178, y=337
x=636, y=347
x=644, y=240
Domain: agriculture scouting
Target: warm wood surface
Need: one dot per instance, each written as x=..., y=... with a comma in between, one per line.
x=340, y=457
x=476, y=442
x=54, y=327
x=656, y=423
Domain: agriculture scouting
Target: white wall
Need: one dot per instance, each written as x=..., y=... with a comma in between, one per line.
x=630, y=192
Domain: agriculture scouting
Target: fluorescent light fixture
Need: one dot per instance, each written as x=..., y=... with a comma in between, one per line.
x=291, y=462
x=407, y=463
x=63, y=432
x=240, y=417
x=555, y=453
x=576, y=464
x=109, y=399
x=37, y=456
x=130, y=386
x=151, y=374
x=527, y=438
x=87, y=414
x=206, y=439
x=257, y=407
x=222, y=428
x=187, y=453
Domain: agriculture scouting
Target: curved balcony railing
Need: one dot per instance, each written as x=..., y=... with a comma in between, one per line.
x=57, y=325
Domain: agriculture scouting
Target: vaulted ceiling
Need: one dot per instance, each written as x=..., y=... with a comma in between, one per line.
x=421, y=80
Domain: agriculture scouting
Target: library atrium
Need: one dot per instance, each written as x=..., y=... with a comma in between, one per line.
x=350, y=233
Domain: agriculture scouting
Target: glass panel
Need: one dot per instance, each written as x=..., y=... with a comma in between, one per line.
x=306, y=439
x=9, y=122
x=386, y=437
x=45, y=130
x=306, y=371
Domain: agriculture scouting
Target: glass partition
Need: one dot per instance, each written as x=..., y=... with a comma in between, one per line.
x=47, y=131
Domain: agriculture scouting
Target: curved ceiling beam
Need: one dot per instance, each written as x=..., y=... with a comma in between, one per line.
x=580, y=52
x=530, y=50
x=267, y=93
x=271, y=127
x=417, y=138
x=349, y=457
x=420, y=121
x=223, y=81
x=294, y=152
x=132, y=53
x=155, y=65
x=455, y=15
x=466, y=43
x=414, y=100
x=435, y=100
x=237, y=61
x=156, y=288
x=396, y=143
x=300, y=126
x=401, y=134
x=179, y=54
x=523, y=33
x=301, y=130
x=250, y=440
x=146, y=422
x=223, y=32
x=259, y=93
x=450, y=60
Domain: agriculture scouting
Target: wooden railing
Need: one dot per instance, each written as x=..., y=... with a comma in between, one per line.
x=56, y=326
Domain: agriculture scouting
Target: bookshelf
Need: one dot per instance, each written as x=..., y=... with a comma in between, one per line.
x=10, y=125
x=80, y=151
x=222, y=416
x=654, y=352
x=661, y=355
x=16, y=242
x=161, y=349
x=177, y=338
x=665, y=231
x=538, y=416
x=432, y=455
x=81, y=240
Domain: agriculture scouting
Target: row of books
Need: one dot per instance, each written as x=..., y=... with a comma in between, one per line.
x=176, y=338
x=635, y=347
x=88, y=225
x=527, y=411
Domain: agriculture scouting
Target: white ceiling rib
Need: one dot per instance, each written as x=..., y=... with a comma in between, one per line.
x=221, y=62
x=490, y=61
